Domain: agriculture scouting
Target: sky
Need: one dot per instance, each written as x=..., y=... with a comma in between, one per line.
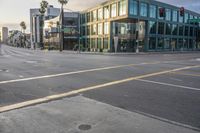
x=12, y=12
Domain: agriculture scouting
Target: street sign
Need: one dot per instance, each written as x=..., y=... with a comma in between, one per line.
x=66, y=30
x=194, y=20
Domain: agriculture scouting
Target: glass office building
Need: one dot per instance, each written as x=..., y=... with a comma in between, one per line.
x=137, y=24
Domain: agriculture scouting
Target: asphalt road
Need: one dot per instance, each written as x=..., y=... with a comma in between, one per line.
x=169, y=96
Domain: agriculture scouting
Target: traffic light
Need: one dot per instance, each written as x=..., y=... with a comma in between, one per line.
x=182, y=11
x=162, y=12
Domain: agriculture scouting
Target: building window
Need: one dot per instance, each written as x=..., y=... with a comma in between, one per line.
x=106, y=28
x=174, y=29
x=122, y=7
x=100, y=29
x=161, y=27
x=191, y=31
x=168, y=29
x=186, y=30
x=99, y=43
x=167, y=43
x=180, y=43
x=100, y=14
x=94, y=15
x=113, y=10
x=93, y=43
x=186, y=17
x=152, y=43
x=133, y=7
x=180, y=18
x=88, y=17
x=175, y=16
x=152, y=27
x=152, y=13
x=94, y=29
x=168, y=14
x=83, y=18
x=105, y=43
x=106, y=12
x=88, y=30
x=143, y=9
x=160, y=43
x=181, y=27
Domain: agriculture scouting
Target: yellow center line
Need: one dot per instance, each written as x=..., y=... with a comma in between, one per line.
x=74, y=72
x=179, y=73
x=63, y=95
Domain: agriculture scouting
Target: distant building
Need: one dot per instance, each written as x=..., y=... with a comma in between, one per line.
x=71, y=31
x=35, y=23
x=4, y=34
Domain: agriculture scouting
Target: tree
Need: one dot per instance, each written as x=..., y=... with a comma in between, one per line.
x=62, y=2
x=23, y=35
x=23, y=26
x=43, y=8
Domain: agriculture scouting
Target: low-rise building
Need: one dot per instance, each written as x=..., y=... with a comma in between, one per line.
x=52, y=31
x=132, y=24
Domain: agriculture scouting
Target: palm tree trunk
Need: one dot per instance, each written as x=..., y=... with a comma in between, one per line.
x=62, y=28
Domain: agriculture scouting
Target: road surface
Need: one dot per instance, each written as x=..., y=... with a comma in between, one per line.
x=165, y=87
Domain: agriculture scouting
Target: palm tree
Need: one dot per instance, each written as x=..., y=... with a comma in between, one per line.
x=23, y=26
x=62, y=2
x=23, y=37
x=43, y=8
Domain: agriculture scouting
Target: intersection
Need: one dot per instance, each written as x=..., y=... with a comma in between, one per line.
x=164, y=87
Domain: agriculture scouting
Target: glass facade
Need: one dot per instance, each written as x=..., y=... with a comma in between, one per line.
x=133, y=7
x=143, y=9
x=172, y=32
x=122, y=7
x=152, y=11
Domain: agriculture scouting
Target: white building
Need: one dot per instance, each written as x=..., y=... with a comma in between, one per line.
x=4, y=34
x=35, y=23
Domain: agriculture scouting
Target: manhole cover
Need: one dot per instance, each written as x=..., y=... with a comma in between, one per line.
x=85, y=127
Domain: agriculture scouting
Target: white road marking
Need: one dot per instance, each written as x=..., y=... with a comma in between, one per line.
x=70, y=73
x=167, y=84
x=78, y=91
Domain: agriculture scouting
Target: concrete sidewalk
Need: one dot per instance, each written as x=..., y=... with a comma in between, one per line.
x=79, y=114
